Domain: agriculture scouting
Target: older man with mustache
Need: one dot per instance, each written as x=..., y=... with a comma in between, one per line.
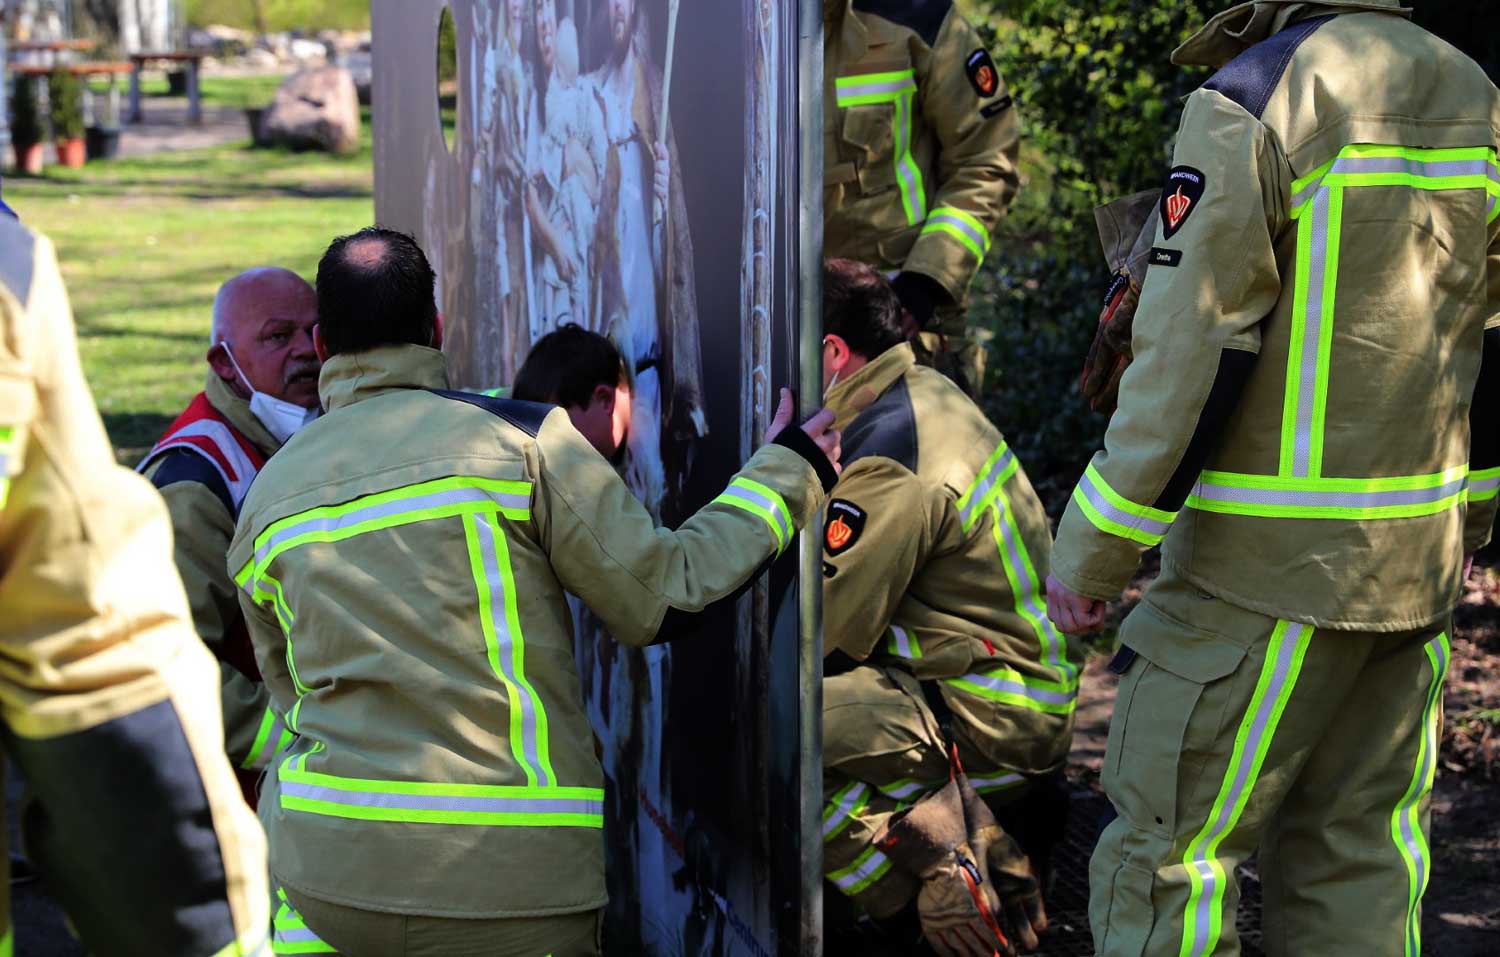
x=262, y=388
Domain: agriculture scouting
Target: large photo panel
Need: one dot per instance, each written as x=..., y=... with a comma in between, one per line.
x=631, y=166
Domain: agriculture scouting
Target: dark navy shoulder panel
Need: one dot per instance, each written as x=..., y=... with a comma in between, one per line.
x=185, y=465
x=526, y=416
x=1250, y=78
x=887, y=428
x=922, y=17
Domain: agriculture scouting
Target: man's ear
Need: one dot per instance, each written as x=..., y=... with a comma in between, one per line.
x=218, y=360
x=437, y=332
x=841, y=350
x=320, y=348
x=604, y=396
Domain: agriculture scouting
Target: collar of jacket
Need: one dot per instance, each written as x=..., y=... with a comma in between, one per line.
x=843, y=29
x=357, y=376
x=1240, y=27
x=237, y=411
x=853, y=395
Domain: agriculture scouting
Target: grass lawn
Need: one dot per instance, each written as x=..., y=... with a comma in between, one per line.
x=144, y=245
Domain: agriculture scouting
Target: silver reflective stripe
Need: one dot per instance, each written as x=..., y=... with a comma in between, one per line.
x=1096, y=498
x=297, y=935
x=1396, y=164
x=439, y=802
x=1415, y=843
x=998, y=781
x=852, y=799
x=901, y=790
x=903, y=642
x=982, y=489
x=506, y=649
x=1202, y=916
x=1314, y=499
x=273, y=739
x=1028, y=599
x=875, y=862
x=399, y=506
x=848, y=91
x=1307, y=382
x=1006, y=685
x=1484, y=485
x=980, y=239
x=783, y=524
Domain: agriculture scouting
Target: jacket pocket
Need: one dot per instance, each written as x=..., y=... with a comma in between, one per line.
x=870, y=131
x=1170, y=711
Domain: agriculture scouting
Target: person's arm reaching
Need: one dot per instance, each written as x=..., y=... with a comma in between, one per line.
x=1484, y=417
x=1196, y=337
x=605, y=550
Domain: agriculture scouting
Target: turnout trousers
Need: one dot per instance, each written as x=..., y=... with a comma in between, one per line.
x=882, y=752
x=1235, y=732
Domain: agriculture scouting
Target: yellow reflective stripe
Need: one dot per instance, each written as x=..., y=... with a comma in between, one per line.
x=489, y=559
x=868, y=868
x=1274, y=496
x=1204, y=914
x=870, y=89
x=1026, y=592
x=8, y=942
x=256, y=945
x=1472, y=167
x=843, y=808
x=269, y=733
x=1483, y=484
x=908, y=174
x=764, y=502
x=990, y=482
x=961, y=225
x=903, y=645
x=431, y=803
x=10, y=440
x=1406, y=822
x=1114, y=514
x=290, y=933
x=1006, y=685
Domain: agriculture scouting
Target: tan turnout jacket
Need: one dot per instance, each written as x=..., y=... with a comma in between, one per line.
x=108, y=702
x=920, y=140
x=1309, y=338
x=935, y=553
x=404, y=562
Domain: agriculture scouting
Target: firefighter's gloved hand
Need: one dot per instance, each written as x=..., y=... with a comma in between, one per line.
x=1127, y=228
x=920, y=296
x=1110, y=354
x=957, y=904
x=1025, y=916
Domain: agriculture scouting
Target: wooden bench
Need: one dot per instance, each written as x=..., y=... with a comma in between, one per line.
x=194, y=60
x=85, y=70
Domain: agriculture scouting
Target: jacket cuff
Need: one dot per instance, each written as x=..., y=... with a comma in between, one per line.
x=792, y=437
x=920, y=295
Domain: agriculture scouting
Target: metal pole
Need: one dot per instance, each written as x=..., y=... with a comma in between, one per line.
x=810, y=385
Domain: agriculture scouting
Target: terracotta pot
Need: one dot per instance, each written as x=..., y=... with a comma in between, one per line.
x=72, y=153
x=30, y=158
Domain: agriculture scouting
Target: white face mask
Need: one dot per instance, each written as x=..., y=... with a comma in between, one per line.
x=281, y=418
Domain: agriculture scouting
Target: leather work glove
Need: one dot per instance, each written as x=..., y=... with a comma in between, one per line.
x=1025, y=916
x=956, y=904
x=1127, y=228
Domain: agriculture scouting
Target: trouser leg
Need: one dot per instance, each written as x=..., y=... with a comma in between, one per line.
x=1345, y=862
x=880, y=754
x=1214, y=721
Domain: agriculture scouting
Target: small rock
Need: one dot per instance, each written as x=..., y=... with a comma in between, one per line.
x=315, y=109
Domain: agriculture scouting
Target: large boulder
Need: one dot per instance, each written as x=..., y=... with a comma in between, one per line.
x=315, y=109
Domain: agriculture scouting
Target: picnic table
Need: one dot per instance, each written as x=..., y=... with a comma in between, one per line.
x=86, y=70
x=53, y=50
x=194, y=60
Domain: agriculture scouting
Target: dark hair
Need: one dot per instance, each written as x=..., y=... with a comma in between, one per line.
x=566, y=366
x=860, y=307
x=375, y=288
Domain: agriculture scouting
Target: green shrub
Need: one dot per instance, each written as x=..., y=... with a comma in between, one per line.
x=65, y=94
x=25, y=111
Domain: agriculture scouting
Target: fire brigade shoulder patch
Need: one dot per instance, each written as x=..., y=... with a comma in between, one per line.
x=982, y=73
x=1180, y=197
x=845, y=523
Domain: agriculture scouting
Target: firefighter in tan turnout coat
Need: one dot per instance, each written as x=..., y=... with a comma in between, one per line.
x=109, y=703
x=1309, y=429
x=404, y=563
x=920, y=142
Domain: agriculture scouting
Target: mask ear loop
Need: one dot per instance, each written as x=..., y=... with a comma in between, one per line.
x=237, y=370
x=835, y=380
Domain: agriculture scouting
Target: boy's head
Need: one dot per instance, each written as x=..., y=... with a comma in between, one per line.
x=583, y=372
x=861, y=318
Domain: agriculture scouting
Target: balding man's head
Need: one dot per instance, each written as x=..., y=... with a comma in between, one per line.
x=375, y=288
x=262, y=335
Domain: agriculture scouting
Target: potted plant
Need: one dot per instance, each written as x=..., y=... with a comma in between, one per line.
x=26, y=132
x=65, y=91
